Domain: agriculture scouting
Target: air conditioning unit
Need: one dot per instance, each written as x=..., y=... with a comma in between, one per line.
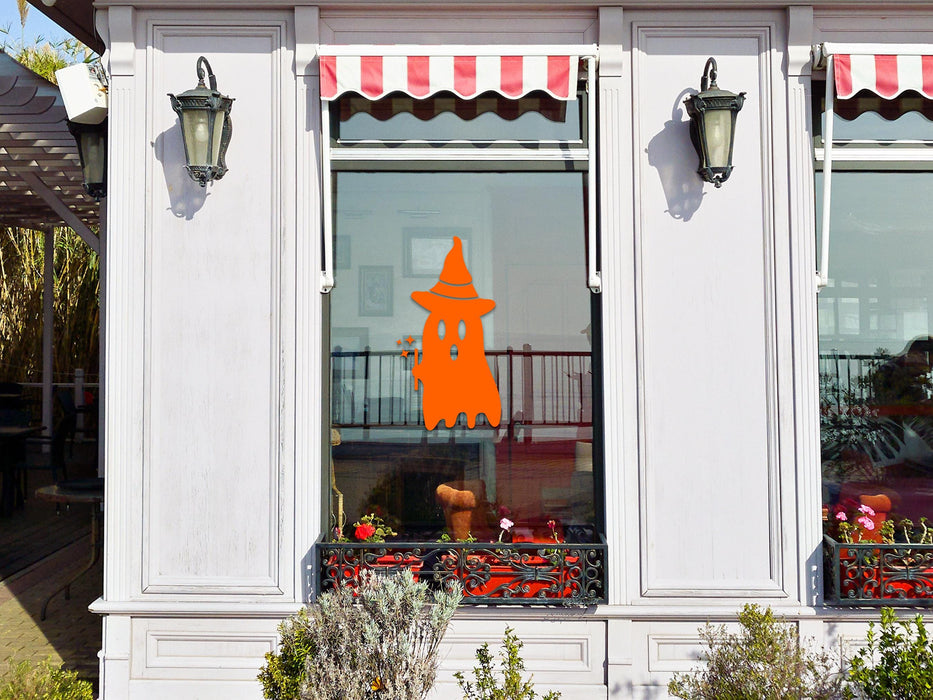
x=84, y=91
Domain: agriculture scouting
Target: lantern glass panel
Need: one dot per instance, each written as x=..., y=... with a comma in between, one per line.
x=196, y=129
x=718, y=123
x=216, y=135
x=94, y=150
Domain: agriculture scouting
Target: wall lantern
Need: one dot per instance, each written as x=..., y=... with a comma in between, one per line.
x=205, y=127
x=92, y=150
x=712, y=125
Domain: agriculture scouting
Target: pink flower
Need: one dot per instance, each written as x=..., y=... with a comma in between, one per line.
x=841, y=515
x=866, y=522
x=506, y=524
x=867, y=510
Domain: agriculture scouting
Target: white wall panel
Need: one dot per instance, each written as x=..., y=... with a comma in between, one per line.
x=214, y=344
x=705, y=265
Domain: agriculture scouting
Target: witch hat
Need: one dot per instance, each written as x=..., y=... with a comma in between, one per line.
x=454, y=288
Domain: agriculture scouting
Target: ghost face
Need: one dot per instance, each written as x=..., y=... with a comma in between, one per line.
x=453, y=368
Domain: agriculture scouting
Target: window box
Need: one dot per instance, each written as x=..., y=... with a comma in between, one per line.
x=872, y=573
x=524, y=573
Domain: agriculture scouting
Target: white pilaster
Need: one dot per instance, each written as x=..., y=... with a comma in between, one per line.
x=618, y=310
x=803, y=264
x=311, y=461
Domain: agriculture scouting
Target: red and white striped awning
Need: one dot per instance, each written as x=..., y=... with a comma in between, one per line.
x=467, y=76
x=884, y=75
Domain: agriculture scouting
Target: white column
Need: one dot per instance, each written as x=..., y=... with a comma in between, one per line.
x=48, y=326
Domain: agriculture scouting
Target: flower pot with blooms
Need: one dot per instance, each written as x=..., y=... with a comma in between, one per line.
x=372, y=528
x=890, y=560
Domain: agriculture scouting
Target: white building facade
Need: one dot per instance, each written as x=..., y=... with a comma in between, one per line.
x=684, y=426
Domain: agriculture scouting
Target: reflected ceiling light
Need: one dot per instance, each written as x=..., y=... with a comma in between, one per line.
x=92, y=150
x=205, y=126
x=712, y=125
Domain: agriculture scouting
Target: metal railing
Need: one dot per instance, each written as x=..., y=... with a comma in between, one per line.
x=536, y=388
x=876, y=574
x=524, y=573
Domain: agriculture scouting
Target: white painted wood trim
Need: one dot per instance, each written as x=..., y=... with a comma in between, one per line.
x=312, y=424
x=457, y=50
x=802, y=228
x=615, y=187
x=124, y=279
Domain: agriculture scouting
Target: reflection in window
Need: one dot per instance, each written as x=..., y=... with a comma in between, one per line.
x=522, y=240
x=875, y=343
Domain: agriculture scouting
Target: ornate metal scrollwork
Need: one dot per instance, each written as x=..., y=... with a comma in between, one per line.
x=874, y=573
x=490, y=574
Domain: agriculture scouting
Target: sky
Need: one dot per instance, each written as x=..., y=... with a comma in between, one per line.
x=37, y=24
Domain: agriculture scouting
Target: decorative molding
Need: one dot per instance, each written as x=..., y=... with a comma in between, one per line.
x=619, y=414
x=307, y=38
x=177, y=654
x=762, y=29
x=122, y=49
x=312, y=451
x=611, y=38
x=124, y=341
x=445, y=26
x=276, y=577
x=802, y=200
x=799, y=39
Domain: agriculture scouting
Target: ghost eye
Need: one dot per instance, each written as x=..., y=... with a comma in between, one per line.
x=461, y=329
x=441, y=329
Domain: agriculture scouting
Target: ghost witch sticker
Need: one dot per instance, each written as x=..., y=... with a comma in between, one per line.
x=452, y=367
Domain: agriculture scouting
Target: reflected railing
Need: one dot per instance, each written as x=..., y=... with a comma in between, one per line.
x=536, y=388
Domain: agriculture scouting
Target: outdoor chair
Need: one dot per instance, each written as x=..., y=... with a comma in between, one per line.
x=52, y=460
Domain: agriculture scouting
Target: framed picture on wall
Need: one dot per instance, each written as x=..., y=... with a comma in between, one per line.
x=376, y=290
x=425, y=249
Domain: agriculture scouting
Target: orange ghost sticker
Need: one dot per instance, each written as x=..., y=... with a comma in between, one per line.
x=453, y=368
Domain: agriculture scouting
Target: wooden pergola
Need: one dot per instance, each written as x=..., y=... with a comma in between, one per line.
x=41, y=184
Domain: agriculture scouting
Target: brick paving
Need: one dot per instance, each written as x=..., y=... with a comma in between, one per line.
x=39, y=551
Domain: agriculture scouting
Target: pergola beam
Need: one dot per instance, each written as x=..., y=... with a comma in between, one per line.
x=59, y=207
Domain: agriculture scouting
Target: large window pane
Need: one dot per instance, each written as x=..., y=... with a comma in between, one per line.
x=875, y=323
x=523, y=242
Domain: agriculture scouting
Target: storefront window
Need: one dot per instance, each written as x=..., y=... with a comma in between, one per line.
x=479, y=262
x=876, y=325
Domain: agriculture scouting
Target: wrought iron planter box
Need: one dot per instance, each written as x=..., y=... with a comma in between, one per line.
x=873, y=573
x=524, y=573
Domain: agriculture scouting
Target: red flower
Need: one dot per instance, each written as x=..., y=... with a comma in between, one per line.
x=364, y=531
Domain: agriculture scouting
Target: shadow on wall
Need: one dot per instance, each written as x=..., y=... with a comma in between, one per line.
x=671, y=153
x=186, y=197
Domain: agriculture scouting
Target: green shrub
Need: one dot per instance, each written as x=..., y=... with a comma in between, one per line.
x=284, y=672
x=487, y=685
x=43, y=681
x=763, y=661
x=378, y=641
x=896, y=664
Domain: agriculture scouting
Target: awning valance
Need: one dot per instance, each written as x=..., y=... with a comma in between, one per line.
x=884, y=75
x=465, y=75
